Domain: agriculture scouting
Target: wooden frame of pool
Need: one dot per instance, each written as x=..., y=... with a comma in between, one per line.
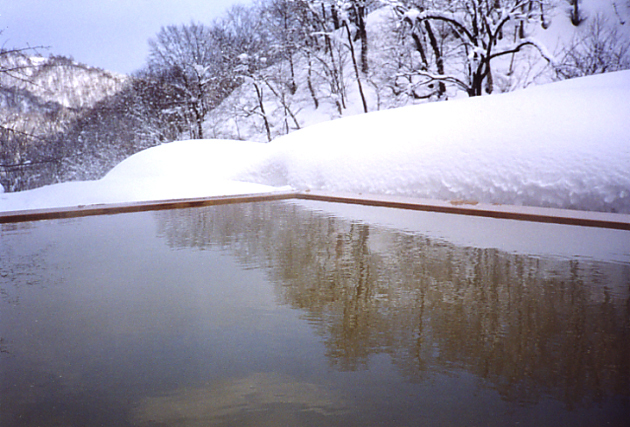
x=458, y=207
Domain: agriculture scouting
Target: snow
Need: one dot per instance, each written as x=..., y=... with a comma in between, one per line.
x=178, y=170
x=563, y=145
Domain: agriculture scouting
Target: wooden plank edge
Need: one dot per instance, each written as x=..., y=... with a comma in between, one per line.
x=117, y=208
x=458, y=207
x=472, y=208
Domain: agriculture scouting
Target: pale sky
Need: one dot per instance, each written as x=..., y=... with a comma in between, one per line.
x=111, y=34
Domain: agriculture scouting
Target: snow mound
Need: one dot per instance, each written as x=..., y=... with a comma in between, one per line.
x=564, y=145
x=178, y=170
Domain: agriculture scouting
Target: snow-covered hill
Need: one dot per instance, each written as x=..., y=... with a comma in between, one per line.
x=563, y=145
x=59, y=80
x=560, y=145
x=40, y=98
x=605, y=28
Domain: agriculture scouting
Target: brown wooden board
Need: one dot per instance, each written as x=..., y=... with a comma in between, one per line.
x=458, y=207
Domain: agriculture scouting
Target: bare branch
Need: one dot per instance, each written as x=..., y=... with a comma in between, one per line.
x=525, y=42
x=448, y=18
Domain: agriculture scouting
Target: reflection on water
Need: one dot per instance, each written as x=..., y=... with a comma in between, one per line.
x=275, y=314
x=531, y=326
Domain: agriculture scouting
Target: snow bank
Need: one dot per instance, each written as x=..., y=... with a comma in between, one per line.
x=182, y=169
x=563, y=145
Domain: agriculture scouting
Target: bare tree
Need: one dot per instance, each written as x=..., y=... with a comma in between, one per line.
x=191, y=58
x=138, y=117
x=24, y=155
x=288, y=36
x=597, y=48
x=478, y=29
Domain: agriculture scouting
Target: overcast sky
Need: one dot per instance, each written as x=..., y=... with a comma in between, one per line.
x=111, y=34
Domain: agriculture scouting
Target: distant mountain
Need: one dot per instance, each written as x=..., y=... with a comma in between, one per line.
x=59, y=79
x=42, y=95
x=39, y=99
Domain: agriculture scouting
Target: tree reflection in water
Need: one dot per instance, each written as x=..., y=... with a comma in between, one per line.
x=530, y=326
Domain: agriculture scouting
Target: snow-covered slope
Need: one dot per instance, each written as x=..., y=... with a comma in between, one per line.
x=564, y=145
x=59, y=80
x=239, y=115
x=43, y=103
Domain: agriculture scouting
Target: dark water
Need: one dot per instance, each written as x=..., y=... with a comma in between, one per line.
x=272, y=314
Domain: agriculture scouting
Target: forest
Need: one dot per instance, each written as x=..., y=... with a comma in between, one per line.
x=267, y=69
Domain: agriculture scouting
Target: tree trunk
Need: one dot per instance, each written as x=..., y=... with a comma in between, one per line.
x=335, y=17
x=439, y=60
x=292, y=83
x=356, y=67
x=198, y=132
x=362, y=33
x=576, y=19
x=309, y=80
x=489, y=81
x=259, y=94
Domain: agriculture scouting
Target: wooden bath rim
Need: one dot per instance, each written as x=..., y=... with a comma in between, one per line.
x=458, y=207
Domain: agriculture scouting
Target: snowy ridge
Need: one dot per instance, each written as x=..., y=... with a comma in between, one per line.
x=561, y=145
x=564, y=145
x=60, y=80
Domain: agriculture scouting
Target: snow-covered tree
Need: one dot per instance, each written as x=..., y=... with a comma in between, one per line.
x=330, y=53
x=479, y=32
x=191, y=58
x=256, y=46
x=282, y=19
x=355, y=14
x=138, y=117
x=596, y=48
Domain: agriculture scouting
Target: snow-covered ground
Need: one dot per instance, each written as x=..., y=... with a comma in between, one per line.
x=564, y=145
x=239, y=116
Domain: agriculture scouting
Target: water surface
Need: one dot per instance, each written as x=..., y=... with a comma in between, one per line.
x=277, y=313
